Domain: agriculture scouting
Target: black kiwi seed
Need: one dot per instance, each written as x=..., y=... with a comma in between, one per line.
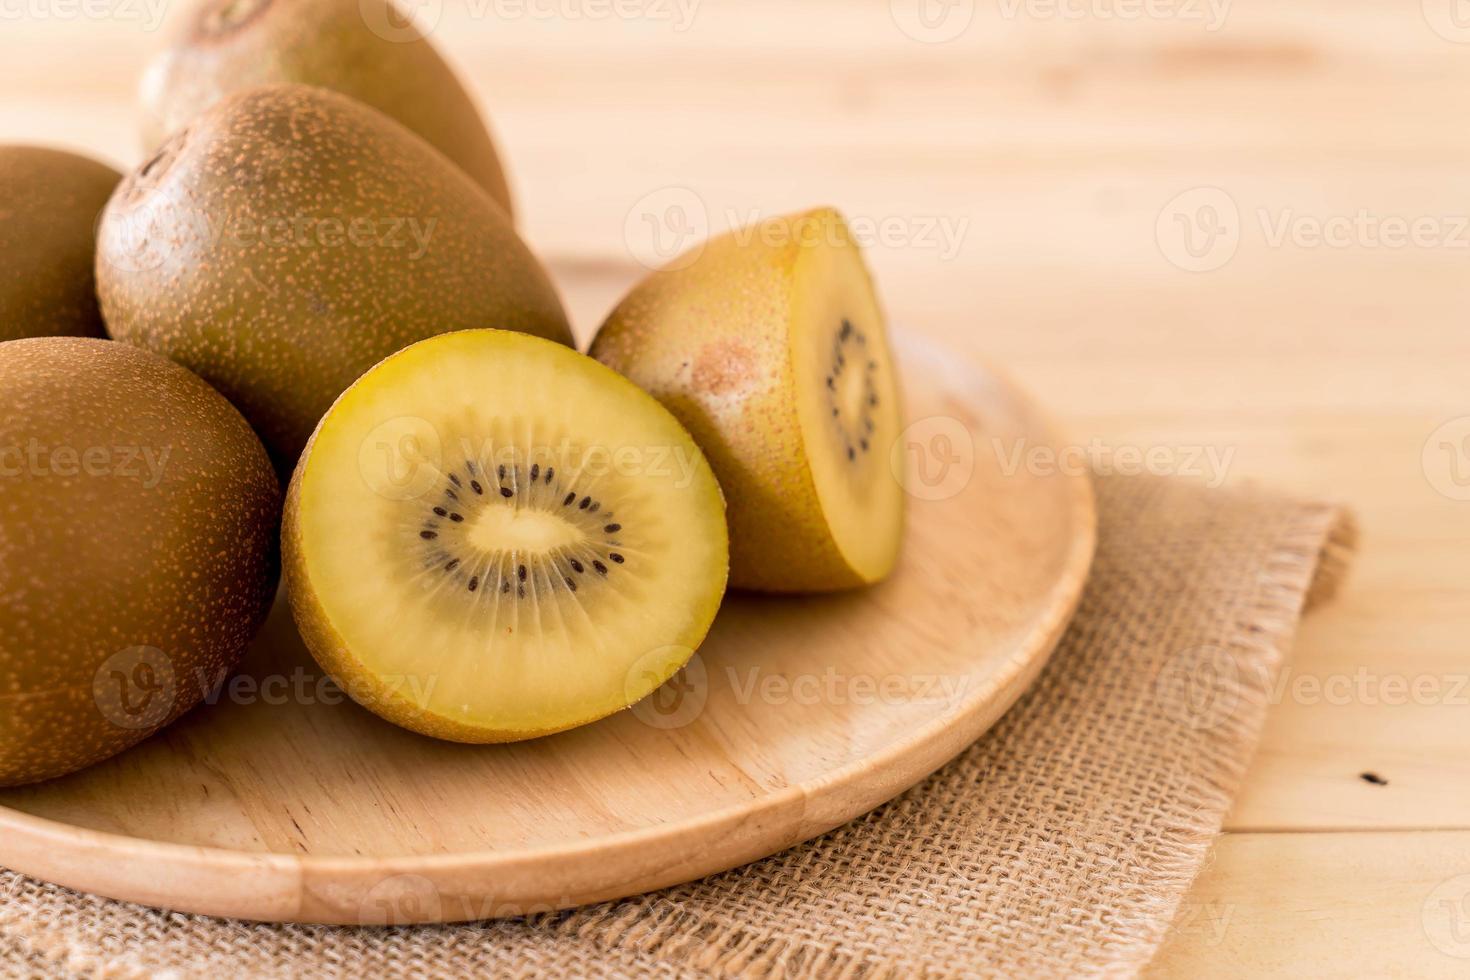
x=454, y=479
x=452, y=565
x=521, y=572
x=457, y=518
x=570, y=498
x=507, y=492
x=851, y=453
x=501, y=472
x=617, y=557
x=846, y=329
x=520, y=591
x=570, y=584
x=613, y=528
x=504, y=587
x=576, y=566
x=428, y=535
x=474, y=583
x=594, y=508
x=469, y=466
x=550, y=472
x=830, y=383
x=864, y=444
x=601, y=568
x=441, y=511
x=873, y=400
x=836, y=412
x=535, y=471
x=475, y=486
x=585, y=502
x=451, y=494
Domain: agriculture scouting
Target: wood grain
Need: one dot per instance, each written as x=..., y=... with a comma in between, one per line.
x=282, y=802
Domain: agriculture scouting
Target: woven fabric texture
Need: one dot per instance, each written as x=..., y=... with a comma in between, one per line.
x=1061, y=843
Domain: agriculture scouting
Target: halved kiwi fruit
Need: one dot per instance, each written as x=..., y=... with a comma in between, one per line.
x=492, y=537
x=769, y=345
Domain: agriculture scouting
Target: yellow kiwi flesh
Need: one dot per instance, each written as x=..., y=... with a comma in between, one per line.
x=769, y=344
x=491, y=537
x=366, y=49
x=49, y=203
x=138, y=548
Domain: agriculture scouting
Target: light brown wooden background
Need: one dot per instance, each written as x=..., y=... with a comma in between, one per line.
x=1054, y=141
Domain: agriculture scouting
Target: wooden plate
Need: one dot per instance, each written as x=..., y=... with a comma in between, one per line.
x=282, y=802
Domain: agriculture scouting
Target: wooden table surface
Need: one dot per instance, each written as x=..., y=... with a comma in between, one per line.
x=1236, y=233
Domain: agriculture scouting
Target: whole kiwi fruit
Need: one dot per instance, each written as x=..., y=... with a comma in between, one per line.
x=367, y=49
x=138, y=548
x=290, y=238
x=49, y=203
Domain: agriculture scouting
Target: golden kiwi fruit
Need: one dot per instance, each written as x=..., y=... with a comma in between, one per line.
x=492, y=537
x=366, y=49
x=49, y=203
x=290, y=238
x=769, y=344
x=138, y=548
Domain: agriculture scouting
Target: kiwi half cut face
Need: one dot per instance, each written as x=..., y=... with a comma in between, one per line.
x=492, y=537
x=769, y=344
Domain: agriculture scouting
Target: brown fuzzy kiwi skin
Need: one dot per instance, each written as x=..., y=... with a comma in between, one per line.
x=225, y=46
x=333, y=654
x=290, y=238
x=101, y=553
x=709, y=339
x=49, y=203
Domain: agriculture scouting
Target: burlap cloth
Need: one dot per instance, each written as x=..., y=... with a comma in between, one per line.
x=1061, y=843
